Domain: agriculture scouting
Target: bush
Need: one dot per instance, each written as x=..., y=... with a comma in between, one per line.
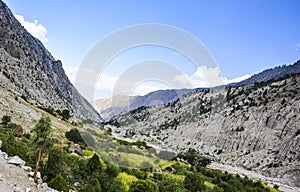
x=6, y=119
x=143, y=185
x=74, y=135
x=194, y=182
x=59, y=183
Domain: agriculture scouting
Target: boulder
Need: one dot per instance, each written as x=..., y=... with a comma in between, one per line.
x=16, y=160
x=75, y=148
x=4, y=154
x=27, y=168
x=38, y=174
x=0, y=144
x=31, y=173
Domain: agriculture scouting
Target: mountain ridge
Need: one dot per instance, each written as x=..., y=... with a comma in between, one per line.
x=111, y=107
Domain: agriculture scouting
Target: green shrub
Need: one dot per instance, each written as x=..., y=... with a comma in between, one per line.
x=5, y=120
x=74, y=135
x=59, y=183
x=143, y=185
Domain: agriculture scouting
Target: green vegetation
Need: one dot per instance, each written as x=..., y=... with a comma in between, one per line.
x=59, y=183
x=92, y=173
x=74, y=135
x=64, y=114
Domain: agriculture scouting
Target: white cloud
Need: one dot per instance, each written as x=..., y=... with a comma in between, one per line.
x=235, y=80
x=207, y=77
x=108, y=85
x=35, y=28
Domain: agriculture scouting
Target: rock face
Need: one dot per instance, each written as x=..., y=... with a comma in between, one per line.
x=29, y=70
x=255, y=127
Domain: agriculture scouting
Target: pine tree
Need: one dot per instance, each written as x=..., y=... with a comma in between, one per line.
x=42, y=132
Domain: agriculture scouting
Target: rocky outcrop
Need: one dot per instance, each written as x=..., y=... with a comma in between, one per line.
x=29, y=70
x=255, y=127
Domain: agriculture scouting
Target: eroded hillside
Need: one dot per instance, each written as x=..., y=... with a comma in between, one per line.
x=255, y=127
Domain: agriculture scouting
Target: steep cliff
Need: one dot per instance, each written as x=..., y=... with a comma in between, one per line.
x=32, y=72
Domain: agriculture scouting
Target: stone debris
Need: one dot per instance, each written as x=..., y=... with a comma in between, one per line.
x=15, y=178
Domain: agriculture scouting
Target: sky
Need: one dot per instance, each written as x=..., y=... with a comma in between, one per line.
x=244, y=37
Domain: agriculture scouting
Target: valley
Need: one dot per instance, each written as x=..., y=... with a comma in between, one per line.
x=243, y=136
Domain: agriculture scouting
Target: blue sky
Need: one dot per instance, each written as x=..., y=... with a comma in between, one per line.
x=244, y=37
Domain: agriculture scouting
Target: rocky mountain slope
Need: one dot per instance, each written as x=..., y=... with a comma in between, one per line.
x=254, y=127
x=29, y=70
x=113, y=106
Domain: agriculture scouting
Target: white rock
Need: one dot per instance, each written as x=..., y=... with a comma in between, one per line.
x=16, y=160
x=31, y=173
x=28, y=190
x=4, y=154
x=0, y=144
x=27, y=168
x=38, y=175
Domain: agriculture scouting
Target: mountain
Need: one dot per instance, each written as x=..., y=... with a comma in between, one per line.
x=109, y=107
x=29, y=70
x=255, y=127
x=269, y=74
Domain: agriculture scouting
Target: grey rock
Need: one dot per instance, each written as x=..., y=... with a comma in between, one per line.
x=40, y=181
x=0, y=143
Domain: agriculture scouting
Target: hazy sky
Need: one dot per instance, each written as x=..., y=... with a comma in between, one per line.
x=244, y=37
